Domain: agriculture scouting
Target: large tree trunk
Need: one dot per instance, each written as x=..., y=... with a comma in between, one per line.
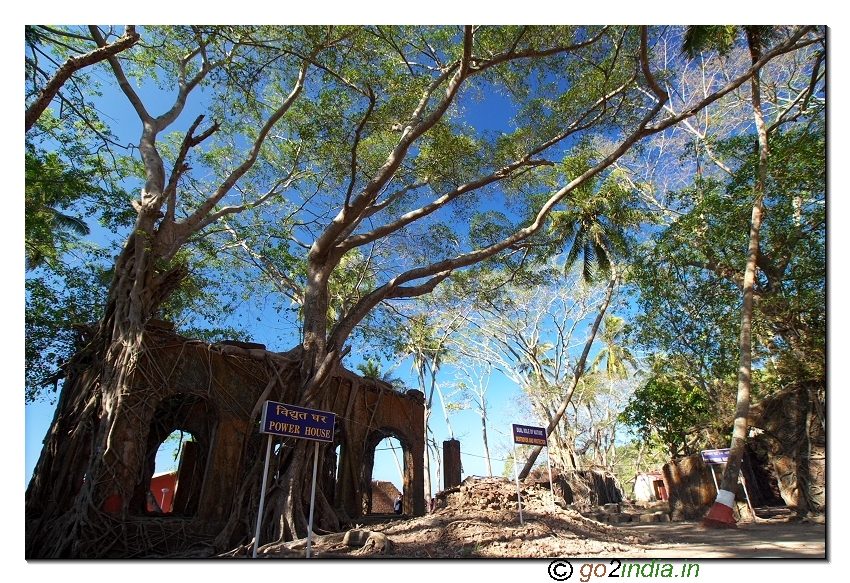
x=289, y=498
x=84, y=482
x=720, y=515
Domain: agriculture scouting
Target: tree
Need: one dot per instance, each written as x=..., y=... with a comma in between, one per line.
x=722, y=510
x=43, y=87
x=150, y=268
x=426, y=339
x=610, y=399
x=668, y=406
x=473, y=390
x=529, y=334
x=594, y=229
x=757, y=39
x=363, y=126
x=615, y=355
x=47, y=230
x=371, y=369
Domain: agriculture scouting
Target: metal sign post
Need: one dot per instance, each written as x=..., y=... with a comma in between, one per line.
x=716, y=457
x=262, y=495
x=529, y=435
x=516, y=475
x=551, y=483
x=312, y=500
x=292, y=421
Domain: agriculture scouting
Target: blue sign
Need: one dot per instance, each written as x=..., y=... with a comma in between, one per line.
x=715, y=456
x=292, y=421
x=527, y=435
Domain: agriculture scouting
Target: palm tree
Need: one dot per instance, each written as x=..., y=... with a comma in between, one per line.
x=371, y=369
x=48, y=186
x=594, y=227
x=616, y=355
x=428, y=348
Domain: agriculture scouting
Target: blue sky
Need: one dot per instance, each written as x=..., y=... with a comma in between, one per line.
x=264, y=325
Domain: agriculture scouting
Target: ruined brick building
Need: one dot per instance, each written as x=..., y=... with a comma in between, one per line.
x=215, y=392
x=225, y=382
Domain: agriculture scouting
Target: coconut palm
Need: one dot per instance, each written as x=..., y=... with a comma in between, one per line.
x=49, y=185
x=616, y=355
x=372, y=369
x=594, y=227
x=594, y=224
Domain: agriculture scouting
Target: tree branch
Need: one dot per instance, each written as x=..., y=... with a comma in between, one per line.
x=200, y=218
x=180, y=165
x=71, y=66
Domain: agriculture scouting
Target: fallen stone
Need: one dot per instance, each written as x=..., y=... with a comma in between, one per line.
x=356, y=537
x=378, y=543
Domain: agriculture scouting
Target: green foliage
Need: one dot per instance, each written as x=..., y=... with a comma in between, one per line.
x=50, y=187
x=55, y=300
x=371, y=369
x=722, y=38
x=361, y=91
x=689, y=277
x=669, y=405
x=595, y=225
x=638, y=456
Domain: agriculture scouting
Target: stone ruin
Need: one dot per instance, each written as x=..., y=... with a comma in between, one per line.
x=383, y=497
x=215, y=392
x=784, y=461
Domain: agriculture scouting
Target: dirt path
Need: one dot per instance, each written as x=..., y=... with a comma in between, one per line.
x=564, y=533
x=768, y=539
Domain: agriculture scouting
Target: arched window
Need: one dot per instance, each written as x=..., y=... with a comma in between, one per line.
x=178, y=450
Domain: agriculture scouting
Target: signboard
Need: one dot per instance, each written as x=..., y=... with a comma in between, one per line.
x=292, y=421
x=527, y=435
x=715, y=456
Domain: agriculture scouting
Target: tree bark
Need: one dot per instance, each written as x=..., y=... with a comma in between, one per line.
x=484, y=440
x=720, y=515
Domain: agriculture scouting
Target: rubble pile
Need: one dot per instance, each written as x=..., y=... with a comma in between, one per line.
x=480, y=518
x=493, y=494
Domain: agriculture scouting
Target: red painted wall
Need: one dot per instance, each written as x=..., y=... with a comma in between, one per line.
x=159, y=482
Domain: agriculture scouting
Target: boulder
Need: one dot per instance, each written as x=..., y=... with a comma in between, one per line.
x=356, y=537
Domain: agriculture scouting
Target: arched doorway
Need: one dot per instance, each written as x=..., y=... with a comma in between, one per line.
x=389, y=447
x=186, y=421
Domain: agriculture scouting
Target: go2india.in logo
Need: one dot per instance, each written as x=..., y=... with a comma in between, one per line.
x=561, y=570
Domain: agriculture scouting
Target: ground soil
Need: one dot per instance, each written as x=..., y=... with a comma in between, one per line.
x=481, y=520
